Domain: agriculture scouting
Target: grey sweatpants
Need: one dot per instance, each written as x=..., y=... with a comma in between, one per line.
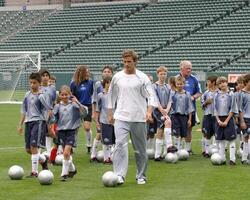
x=138, y=133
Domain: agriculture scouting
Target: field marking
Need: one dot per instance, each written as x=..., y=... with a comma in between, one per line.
x=10, y=148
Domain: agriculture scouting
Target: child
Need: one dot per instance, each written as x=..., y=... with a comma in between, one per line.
x=50, y=94
x=32, y=114
x=208, y=123
x=224, y=108
x=162, y=91
x=244, y=108
x=107, y=129
x=67, y=114
x=181, y=113
x=107, y=73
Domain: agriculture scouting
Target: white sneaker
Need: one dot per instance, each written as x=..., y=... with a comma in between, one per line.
x=141, y=181
x=120, y=180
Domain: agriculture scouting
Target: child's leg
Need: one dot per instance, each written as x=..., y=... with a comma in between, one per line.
x=245, y=149
x=106, y=153
x=66, y=160
x=232, y=150
x=207, y=142
x=167, y=133
x=34, y=160
x=158, y=143
x=222, y=145
x=96, y=143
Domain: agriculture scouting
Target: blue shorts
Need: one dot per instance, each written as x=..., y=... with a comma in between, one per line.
x=88, y=117
x=246, y=131
x=35, y=134
x=225, y=133
x=193, y=119
x=208, y=125
x=179, y=125
x=108, y=134
x=158, y=117
x=67, y=137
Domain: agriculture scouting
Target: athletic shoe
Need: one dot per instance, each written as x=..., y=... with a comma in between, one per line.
x=223, y=163
x=120, y=180
x=203, y=153
x=141, y=181
x=94, y=159
x=32, y=175
x=232, y=162
x=206, y=155
x=191, y=152
x=159, y=159
x=172, y=149
x=108, y=161
x=245, y=162
x=45, y=165
x=88, y=150
x=64, y=178
x=72, y=174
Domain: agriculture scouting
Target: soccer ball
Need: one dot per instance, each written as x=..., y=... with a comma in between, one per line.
x=59, y=159
x=109, y=179
x=100, y=156
x=16, y=172
x=45, y=177
x=216, y=159
x=213, y=149
x=239, y=153
x=182, y=154
x=150, y=153
x=171, y=158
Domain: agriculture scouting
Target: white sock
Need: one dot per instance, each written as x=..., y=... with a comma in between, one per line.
x=177, y=142
x=151, y=143
x=232, y=150
x=222, y=149
x=65, y=167
x=207, y=144
x=245, y=151
x=72, y=167
x=158, y=146
x=238, y=138
x=168, y=137
x=106, y=152
x=41, y=158
x=188, y=146
x=34, y=162
x=203, y=144
x=95, y=148
x=48, y=144
x=59, y=150
x=88, y=138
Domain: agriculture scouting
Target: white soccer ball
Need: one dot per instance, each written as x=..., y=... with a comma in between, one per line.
x=45, y=177
x=100, y=156
x=171, y=158
x=109, y=179
x=216, y=159
x=182, y=154
x=16, y=172
x=239, y=153
x=150, y=153
x=59, y=159
x=213, y=149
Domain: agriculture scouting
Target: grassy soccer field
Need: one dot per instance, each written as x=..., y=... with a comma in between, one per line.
x=194, y=179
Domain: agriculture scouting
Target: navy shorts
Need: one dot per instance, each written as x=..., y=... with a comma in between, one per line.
x=88, y=117
x=225, y=133
x=152, y=128
x=67, y=137
x=108, y=134
x=193, y=120
x=35, y=134
x=158, y=117
x=246, y=132
x=208, y=125
x=179, y=125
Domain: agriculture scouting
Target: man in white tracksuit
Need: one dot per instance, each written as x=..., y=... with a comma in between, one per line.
x=132, y=96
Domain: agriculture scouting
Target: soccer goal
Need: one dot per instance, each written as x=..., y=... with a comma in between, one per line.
x=15, y=68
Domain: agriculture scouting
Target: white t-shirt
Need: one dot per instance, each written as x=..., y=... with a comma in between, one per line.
x=130, y=94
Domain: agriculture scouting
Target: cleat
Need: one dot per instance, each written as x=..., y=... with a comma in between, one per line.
x=159, y=159
x=232, y=162
x=191, y=152
x=223, y=163
x=88, y=150
x=64, y=178
x=141, y=181
x=206, y=155
x=108, y=161
x=45, y=165
x=245, y=162
x=94, y=159
x=172, y=149
x=120, y=180
x=72, y=174
x=32, y=175
x=203, y=153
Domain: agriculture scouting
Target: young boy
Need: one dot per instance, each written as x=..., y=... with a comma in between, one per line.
x=244, y=108
x=224, y=108
x=32, y=114
x=50, y=93
x=107, y=73
x=162, y=91
x=181, y=112
x=208, y=123
x=107, y=129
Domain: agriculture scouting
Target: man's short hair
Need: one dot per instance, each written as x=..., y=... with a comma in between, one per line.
x=130, y=53
x=184, y=63
x=35, y=76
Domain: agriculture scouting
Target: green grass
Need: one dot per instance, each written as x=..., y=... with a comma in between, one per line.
x=194, y=179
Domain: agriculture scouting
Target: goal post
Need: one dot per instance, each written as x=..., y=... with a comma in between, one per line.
x=15, y=68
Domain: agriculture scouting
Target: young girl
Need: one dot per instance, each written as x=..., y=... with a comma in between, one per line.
x=67, y=114
x=107, y=129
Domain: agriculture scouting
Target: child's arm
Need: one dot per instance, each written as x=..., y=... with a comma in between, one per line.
x=83, y=109
x=20, y=125
x=242, y=121
x=224, y=124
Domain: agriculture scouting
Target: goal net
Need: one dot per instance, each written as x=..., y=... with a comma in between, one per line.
x=15, y=68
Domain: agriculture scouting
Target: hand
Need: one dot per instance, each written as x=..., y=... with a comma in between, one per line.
x=50, y=113
x=209, y=101
x=20, y=129
x=224, y=124
x=167, y=122
x=111, y=119
x=243, y=125
x=149, y=117
x=163, y=112
x=74, y=99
